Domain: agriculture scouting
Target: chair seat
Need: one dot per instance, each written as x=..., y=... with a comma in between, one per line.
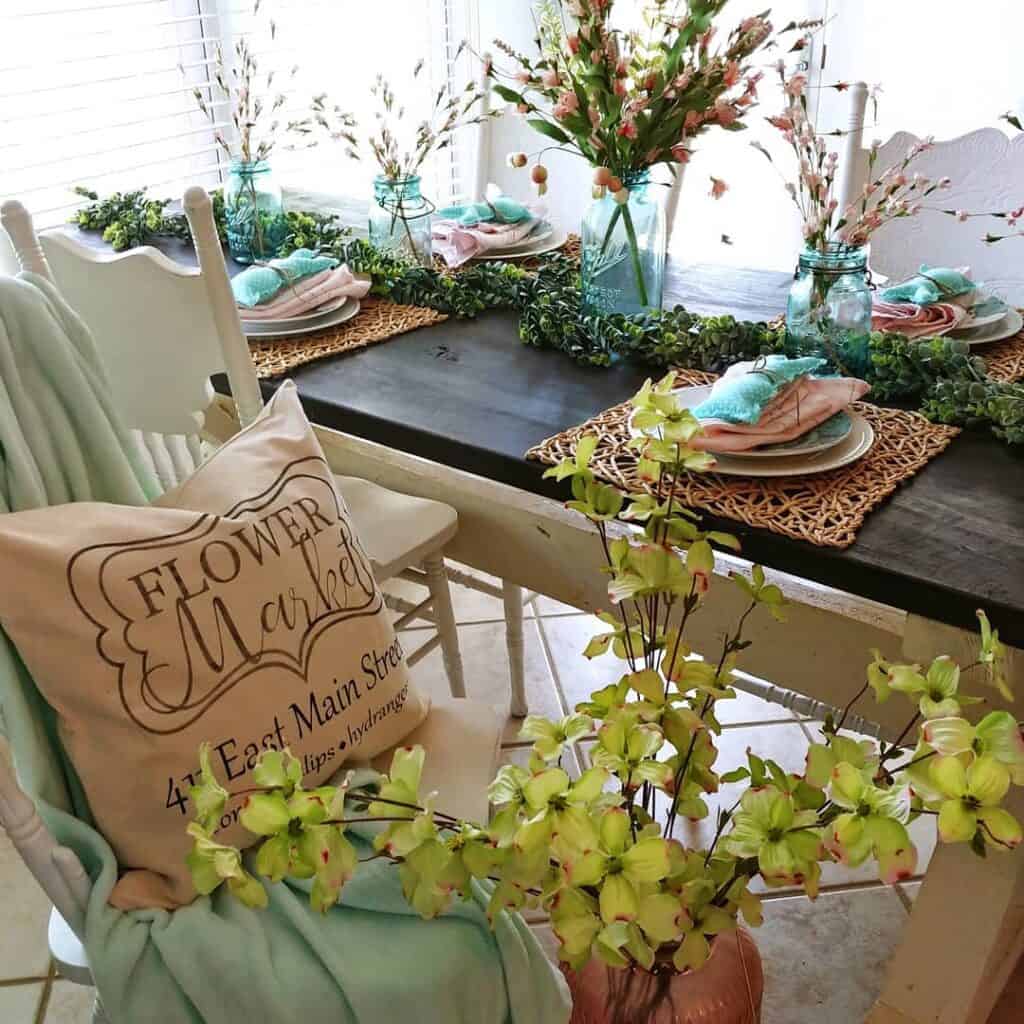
x=462, y=739
x=397, y=530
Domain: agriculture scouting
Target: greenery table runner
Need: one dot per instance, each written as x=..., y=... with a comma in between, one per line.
x=826, y=509
x=378, y=320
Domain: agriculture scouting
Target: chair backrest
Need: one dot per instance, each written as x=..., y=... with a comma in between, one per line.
x=162, y=329
x=987, y=171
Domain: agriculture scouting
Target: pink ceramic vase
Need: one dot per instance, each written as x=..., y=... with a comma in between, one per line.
x=726, y=990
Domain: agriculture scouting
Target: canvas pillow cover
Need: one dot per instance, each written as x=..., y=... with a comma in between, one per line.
x=238, y=609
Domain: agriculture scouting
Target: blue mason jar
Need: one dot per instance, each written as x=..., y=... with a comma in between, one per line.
x=254, y=212
x=829, y=308
x=400, y=219
x=623, y=244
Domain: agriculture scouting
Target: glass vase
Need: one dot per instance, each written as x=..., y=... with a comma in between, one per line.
x=829, y=309
x=623, y=243
x=254, y=212
x=400, y=219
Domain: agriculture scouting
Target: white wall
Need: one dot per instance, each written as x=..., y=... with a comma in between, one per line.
x=943, y=71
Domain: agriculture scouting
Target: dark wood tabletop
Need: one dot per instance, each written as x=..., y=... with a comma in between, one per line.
x=469, y=394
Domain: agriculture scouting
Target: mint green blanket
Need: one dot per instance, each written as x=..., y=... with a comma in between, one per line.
x=370, y=960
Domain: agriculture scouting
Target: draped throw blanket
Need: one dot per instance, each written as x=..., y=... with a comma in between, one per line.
x=370, y=959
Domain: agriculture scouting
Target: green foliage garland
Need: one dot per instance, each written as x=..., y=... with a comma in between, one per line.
x=939, y=376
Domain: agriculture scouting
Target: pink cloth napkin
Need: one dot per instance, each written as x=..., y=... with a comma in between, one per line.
x=916, y=321
x=307, y=294
x=797, y=409
x=456, y=244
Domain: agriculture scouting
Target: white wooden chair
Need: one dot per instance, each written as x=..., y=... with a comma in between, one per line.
x=987, y=170
x=136, y=304
x=163, y=330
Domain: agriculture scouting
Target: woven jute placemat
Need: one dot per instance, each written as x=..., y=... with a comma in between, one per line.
x=826, y=509
x=377, y=320
x=1005, y=359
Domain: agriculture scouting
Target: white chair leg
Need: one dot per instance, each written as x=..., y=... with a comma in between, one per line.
x=444, y=619
x=513, y=598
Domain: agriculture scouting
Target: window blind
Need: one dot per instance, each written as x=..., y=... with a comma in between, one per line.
x=339, y=49
x=98, y=93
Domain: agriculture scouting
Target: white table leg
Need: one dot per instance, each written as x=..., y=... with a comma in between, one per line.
x=513, y=598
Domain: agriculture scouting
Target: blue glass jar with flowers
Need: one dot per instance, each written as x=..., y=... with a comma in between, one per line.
x=829, y=309
x=253, y=212
x=623, y=242
x=628, y=103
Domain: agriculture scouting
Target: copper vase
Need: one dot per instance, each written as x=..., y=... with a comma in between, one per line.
x=726, y=990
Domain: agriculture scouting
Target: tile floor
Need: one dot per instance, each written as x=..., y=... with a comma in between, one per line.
x=823, y=961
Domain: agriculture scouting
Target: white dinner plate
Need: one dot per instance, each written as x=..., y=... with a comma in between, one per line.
x=857, y=444
x=976, y=317
x=820, y=438
x=290, y=321
x=345, y=311
x=530, y=247
x=1006, y=327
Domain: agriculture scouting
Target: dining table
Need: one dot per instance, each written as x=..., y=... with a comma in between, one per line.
x=448, y=412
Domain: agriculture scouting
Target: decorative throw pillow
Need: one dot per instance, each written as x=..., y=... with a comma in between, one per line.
x=238, y=609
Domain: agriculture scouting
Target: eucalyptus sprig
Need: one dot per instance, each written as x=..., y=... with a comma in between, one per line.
x=400, y=152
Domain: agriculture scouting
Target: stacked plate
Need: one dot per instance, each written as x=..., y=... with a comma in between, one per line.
x=840, y=440
x=543, y=238
x=330, y=314
x=989, y=320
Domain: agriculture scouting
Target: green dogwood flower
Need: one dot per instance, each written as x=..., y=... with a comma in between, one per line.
x=211, y=864
x=822, y=758
x=277, y=769
x=556, y=804
x=401, y=785
x=209, y=797
x=971, y=797
x=992, y=655
x=641, y=570
x=783, y=839
x=576, y=923
x=616, y=864
x=936, y=692
x=708, y=920
x=626, y=748
x=552, y=737
x=873, y=824
x=997, y=734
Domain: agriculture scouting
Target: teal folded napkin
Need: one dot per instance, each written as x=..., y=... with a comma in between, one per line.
x=503, y=210
x=260, y=284
x=741, y=395
x=930, y=284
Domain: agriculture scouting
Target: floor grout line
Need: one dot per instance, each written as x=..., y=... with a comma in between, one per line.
x=908, y=905
x=15, y=982
x=44, y=998
x=552, y=670
x=834, y=888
